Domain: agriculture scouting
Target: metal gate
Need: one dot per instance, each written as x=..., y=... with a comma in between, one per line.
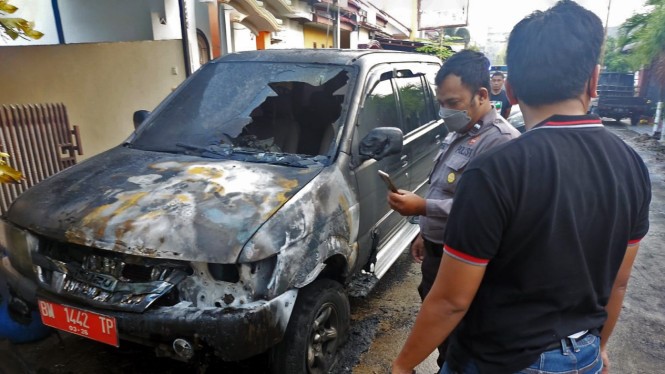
x=40, y=141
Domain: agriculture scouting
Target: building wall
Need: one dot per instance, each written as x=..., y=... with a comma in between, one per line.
x=85, y=21
x=291, y=36
x=315, y=35
x=243, y=38
x=101, y=84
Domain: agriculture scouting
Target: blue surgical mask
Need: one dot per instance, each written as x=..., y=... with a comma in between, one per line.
x=453, y=119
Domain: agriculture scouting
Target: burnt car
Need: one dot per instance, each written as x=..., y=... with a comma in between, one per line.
x=239, y=215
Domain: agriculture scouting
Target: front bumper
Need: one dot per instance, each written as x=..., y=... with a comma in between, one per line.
x=233, y=333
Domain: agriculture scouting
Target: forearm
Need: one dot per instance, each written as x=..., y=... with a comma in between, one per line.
x=613, y=309
x=449, y=299
x=436, y=320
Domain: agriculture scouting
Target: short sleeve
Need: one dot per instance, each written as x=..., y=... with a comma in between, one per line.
x=641, y=225
x=477, y=219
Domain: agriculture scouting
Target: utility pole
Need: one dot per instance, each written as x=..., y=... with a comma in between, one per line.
x=607, y=21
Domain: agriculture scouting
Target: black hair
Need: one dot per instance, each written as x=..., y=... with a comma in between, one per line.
x=498, y=74
x=471, y=66
x=553, y=54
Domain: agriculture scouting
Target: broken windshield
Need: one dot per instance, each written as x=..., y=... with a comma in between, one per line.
x=252, y=107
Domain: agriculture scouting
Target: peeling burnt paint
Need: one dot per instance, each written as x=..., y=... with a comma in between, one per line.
x=160, y=205
x=320, y=222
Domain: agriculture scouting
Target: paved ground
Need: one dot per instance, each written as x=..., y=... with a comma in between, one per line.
x=382, y=321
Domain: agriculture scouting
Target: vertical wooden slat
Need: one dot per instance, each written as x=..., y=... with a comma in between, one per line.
x=35, y=147
x=46, y=138
x=42, y=151
x=13, y=137
x=24, y=144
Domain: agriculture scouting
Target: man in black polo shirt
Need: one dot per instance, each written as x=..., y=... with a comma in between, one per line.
x=498, y=96
x=544, y=230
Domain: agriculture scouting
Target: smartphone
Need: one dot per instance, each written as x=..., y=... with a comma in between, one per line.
x=386, y=179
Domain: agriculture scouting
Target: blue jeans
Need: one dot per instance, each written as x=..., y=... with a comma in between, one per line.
x=582, y=357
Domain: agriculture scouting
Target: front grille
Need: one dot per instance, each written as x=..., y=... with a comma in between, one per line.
x=109, y=279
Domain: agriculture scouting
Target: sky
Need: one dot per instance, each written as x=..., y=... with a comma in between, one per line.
x=502, y=15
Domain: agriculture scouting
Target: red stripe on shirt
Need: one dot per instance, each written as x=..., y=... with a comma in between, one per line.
x=634, y=241
x=582, y=122
x=466, y=257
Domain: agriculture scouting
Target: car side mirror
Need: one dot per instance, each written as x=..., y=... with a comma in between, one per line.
x=139, y=117
x=380, y=143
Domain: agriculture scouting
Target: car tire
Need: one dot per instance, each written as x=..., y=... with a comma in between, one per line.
x=317, y=328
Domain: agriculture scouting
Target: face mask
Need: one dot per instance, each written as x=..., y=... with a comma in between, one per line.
x=454, y=120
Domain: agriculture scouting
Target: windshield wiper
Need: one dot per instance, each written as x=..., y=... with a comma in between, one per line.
x=225, y=151
x=211, y=151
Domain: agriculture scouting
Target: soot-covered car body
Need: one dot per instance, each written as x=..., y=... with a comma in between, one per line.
x=249, y=188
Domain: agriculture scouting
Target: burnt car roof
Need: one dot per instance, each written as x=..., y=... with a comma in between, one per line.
x=327, y=56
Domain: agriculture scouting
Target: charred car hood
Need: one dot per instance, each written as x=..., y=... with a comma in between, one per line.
x=159, y=204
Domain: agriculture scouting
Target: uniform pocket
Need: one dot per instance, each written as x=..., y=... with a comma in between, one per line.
x=457, y=162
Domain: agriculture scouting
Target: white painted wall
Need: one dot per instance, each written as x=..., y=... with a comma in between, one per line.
x=41, y=13
x=165, y=11
x=243, y=38
x=291, y=36
x=363, y=36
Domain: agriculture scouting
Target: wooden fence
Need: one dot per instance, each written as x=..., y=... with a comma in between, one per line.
x=40, y=141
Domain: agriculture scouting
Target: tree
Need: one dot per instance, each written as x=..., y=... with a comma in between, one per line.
x=642, y=36
x=12, y=27
x=615, y=60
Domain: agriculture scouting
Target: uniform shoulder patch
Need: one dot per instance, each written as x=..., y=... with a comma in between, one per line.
x=504, y=127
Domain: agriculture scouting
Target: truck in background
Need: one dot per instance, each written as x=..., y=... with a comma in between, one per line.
x=618, y=98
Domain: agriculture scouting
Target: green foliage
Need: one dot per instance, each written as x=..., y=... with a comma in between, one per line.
x=442, y=52
x=14, y=28
x=615, y=60
x=642, y=36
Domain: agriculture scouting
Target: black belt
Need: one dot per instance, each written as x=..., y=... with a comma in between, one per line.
x=433, y=249
x=564, y=342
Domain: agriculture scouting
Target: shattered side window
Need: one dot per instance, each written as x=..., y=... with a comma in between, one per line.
x=414, y=102
x=253, y=107
x=380, y=109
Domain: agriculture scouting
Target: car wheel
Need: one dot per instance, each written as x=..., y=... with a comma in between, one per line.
x=317, y=328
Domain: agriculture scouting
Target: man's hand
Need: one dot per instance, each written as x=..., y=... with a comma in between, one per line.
x=606, y=361
x=407, y=203
x=398, y=370
x=418, y=249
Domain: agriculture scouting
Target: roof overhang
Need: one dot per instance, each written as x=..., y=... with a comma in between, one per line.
x=257, y=17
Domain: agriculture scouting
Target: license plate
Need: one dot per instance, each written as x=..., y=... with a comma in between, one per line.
x=80, y=322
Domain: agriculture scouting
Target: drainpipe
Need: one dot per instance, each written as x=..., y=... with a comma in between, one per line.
x=58, y=21
x=185, y=38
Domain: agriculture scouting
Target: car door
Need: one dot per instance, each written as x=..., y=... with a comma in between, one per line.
x=379, y=109
x=424, y=130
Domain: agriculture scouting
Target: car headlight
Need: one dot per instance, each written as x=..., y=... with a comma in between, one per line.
x=17, y=244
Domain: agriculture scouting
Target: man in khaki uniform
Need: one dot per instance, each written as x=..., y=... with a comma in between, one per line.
x=463, y=87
